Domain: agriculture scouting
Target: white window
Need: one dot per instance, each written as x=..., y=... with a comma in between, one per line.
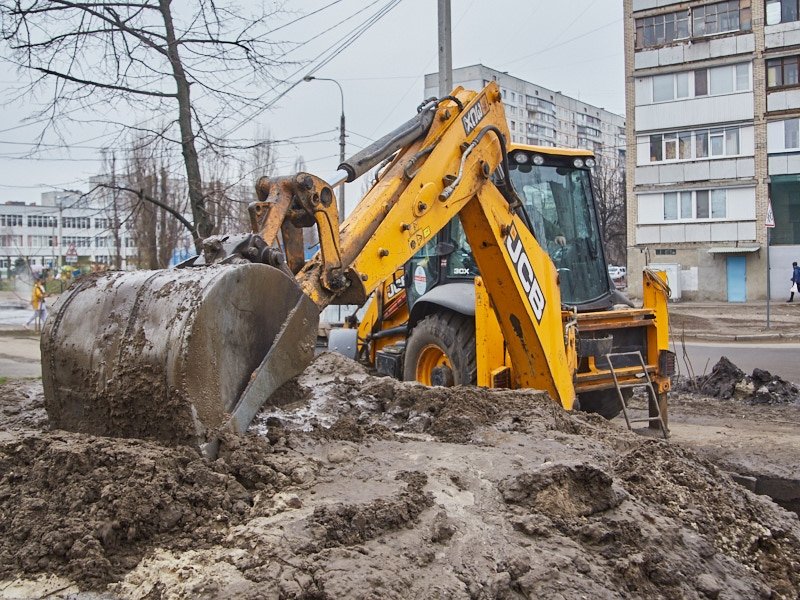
x=718, y=204
x=700, y=204
x=688, y=145
x=742, y=77
x=663, y=88
x=791, y=134
x=720, y=80
x=671, y=206
x=682, y=85
x=686, y=205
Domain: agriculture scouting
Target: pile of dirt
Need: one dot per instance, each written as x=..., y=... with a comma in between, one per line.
x=89, y=507
x=362, y=487
x=727, y=381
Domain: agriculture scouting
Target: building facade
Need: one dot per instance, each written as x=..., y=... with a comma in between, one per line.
x=542, y=117
x=64, y=228
x=712, y=99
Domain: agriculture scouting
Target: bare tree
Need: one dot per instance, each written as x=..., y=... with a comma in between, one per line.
x=154, y=197
x=609, y=191
x=189, y=67
x=111, y=198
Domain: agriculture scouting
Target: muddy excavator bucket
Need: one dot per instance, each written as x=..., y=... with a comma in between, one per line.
x=175, y=355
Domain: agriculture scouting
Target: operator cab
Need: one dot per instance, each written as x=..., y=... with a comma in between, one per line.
x=555, y=187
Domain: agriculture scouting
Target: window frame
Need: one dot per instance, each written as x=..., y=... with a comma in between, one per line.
x=671, y=143
x=783, y=61
x=701, y=201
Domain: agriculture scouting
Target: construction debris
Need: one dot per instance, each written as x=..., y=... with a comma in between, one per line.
x=727, y=381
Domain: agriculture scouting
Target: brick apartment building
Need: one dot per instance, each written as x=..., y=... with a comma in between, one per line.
x=713, y=109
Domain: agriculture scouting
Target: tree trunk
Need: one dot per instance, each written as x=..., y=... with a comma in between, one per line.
x=200, y=216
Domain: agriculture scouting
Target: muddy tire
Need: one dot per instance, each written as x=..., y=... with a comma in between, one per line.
x=604, y=402
x=441, y=350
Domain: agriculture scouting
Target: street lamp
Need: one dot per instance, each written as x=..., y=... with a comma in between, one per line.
x=341, y=137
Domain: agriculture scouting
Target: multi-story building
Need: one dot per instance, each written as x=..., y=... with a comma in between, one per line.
x=713, y=100
x=65, y=227
x=542, y=117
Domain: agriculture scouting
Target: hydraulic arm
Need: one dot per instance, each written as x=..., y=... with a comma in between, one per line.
x=180, y=355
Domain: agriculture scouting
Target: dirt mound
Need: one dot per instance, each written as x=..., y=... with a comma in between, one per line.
x=89, y=507
x=22, y=406
x=726, y=381
x=362, y=487
x=563, y=491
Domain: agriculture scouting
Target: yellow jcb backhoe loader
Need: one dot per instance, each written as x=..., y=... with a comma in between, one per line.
x=433, y=321
x=183, y=355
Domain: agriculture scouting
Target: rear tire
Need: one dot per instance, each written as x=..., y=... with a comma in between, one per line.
x=441, y=350
x=603, y=402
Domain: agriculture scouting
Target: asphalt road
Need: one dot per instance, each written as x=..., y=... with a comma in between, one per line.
x=20, y=356
x=777, y=358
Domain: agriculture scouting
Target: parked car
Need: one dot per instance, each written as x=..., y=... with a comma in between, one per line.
x=616, y=272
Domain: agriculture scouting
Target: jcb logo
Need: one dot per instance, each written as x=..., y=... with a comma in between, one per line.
x=526, y=275
x=475, y=114
x=397, y=286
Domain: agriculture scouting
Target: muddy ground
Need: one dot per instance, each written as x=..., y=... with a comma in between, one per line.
x=359, y=487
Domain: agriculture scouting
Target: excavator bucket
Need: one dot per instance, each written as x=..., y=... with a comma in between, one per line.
x=175, y=355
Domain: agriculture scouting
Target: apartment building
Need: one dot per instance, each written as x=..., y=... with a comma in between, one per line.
x=713, y=101
x=64, y=228
x=542, y=117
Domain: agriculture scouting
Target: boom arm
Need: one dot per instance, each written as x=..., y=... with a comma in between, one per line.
x=411, y=203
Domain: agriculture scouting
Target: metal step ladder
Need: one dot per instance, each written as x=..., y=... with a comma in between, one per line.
x=645, y=381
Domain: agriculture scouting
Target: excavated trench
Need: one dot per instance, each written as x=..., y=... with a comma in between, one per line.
x=737, y=390
x=783, y=491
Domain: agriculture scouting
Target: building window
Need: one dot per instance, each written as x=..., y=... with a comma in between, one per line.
x=701, y=82
x=10, y=220
x=700, y=204
x=689, y=145
x=721, y=17
x=670, y=87
x=710, y=19
x=77, y=222
x=791, y=134
x=782, y=72
x=78, y=242
x=782, y=11
x=11, y=240
x=784, y=192
x=42, y=241
x=662, y=29
x=42, y=221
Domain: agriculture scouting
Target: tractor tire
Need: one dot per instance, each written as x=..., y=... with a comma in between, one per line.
x=603, y=402
x=441, y=350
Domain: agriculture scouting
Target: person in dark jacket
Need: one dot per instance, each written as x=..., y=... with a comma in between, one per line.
x=795, y=281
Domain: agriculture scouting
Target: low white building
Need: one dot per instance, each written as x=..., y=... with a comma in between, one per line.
x=64, y=228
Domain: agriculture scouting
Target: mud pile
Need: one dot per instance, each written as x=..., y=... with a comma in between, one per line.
x=726, y=381
x=359, y=487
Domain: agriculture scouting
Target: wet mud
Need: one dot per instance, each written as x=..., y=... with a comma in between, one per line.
x=352, y=486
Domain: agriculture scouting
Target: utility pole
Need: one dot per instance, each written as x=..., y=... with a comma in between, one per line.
x=445, y=50
x=341, y=137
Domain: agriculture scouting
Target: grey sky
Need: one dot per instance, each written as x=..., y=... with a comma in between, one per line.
x=572, y=46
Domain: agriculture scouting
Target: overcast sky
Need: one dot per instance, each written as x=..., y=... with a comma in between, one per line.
x=572, y=46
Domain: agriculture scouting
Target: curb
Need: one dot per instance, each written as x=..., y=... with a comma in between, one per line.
x=743, y=337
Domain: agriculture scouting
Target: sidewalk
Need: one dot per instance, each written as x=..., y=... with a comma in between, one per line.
x=724, y=321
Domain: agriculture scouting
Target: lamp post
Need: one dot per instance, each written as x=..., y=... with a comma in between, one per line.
x=341, y=137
